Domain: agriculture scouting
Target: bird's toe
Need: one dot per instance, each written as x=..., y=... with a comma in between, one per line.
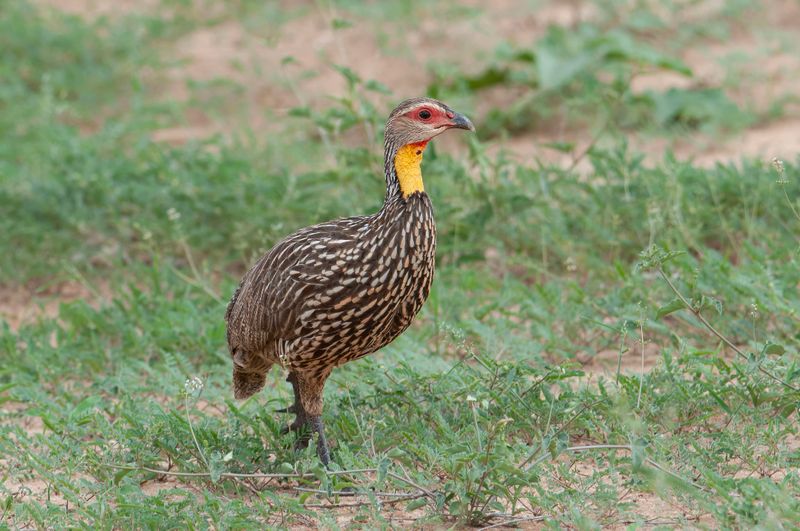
x=290, y=409
x=301, y=443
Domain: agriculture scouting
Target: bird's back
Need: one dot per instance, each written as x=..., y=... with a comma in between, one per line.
x=334, y=292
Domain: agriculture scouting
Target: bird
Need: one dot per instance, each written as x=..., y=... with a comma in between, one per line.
x=337, y=291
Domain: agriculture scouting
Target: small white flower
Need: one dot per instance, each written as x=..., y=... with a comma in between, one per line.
x=778, y=165
x=173, y=214
x=193, y=385
x=471, y=398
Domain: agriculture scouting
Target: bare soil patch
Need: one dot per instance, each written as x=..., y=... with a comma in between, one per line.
x=25, y=304
x=604, y=363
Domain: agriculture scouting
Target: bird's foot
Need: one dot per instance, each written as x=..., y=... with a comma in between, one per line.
x=304, y=424
x=300, y=420
x=301, y=417
x=301, y=428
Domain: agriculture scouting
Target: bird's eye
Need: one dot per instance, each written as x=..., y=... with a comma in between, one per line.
x=424, y=114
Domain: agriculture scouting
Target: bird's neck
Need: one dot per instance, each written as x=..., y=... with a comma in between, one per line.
x=402, y=165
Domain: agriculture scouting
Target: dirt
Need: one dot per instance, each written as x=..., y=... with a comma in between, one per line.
x=25, y=304
x=648, y=507
x=35, y=489
x=604, y=363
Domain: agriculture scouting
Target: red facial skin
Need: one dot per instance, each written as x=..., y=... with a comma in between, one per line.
x=420, y=146
x=437, y=118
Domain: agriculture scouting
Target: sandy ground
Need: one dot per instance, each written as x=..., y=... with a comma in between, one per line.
x=255, y=59
x=24, y=304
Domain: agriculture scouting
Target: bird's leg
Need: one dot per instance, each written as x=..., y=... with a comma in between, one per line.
x=301, y=417
x=323, y=451
x=310, y=387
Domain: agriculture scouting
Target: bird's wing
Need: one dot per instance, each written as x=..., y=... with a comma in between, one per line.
x=270, y=302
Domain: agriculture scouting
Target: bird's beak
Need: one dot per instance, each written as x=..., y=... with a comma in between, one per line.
x=460, y=121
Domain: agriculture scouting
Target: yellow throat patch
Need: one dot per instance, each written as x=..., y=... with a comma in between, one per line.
x=407, y=166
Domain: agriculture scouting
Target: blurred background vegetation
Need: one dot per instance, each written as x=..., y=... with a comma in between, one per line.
x=612, y=334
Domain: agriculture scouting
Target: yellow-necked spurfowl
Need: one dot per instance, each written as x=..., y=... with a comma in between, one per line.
x=337, y=291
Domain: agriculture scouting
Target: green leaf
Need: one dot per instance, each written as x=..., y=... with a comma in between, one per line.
x=416, y=504
x=302, y=112
x=351, y=77
x=563, y=441
x=552, y=447
x=377, y=86
x=396, y=453
x=695, y=107
x=525, y=56
x=638, y=453
x=654, y=257
x=773, y=349
x=383, y=467
x=554, y=70
x=121, y=474
x=671, y=307
x=490, y=77
x=83, y=408
x=793, y=371
x=720, y=401
x=563, y=147
x=215, y=466
x=320, y=472
x=340, y=23
x=48, y=421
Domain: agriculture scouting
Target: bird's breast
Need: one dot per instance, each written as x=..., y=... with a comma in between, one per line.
x=375, y=296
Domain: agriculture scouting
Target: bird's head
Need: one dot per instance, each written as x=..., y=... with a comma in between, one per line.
x=420, y=119
x=409, y=129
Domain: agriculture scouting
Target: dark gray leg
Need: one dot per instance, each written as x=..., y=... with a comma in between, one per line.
x=301, y=417
x=323, y=452
x=308, y=408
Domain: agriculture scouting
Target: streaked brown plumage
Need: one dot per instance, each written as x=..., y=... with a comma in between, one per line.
x=337, y=291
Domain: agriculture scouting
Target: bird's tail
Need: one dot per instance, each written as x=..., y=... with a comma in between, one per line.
x=246, y=384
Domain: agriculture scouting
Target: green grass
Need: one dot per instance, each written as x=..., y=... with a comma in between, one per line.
x=492, y=407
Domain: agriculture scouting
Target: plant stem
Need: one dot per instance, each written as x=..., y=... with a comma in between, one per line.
x=714, y=331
